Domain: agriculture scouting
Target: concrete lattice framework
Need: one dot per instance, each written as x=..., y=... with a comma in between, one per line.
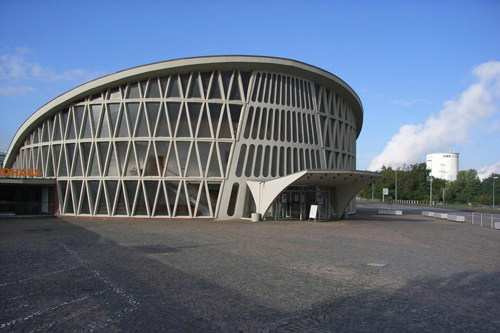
x=181, y=138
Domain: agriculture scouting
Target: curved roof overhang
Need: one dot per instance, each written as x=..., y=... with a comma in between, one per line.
x=344, y=183
x=208, y=63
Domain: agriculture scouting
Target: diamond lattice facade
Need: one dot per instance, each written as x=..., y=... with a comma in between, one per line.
x=182, y=138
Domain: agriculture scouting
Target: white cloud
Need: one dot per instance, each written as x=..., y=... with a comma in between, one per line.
x=486, y=171
x=16, y=91
x=15, y=66
x=412, y=102
x=450, y=125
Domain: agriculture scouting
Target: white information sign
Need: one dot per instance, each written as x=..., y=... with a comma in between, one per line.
x=386, y=191
x=313, y=212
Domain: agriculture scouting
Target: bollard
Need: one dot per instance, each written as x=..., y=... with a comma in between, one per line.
x=481, y=219
x=472, y=217
x=491, y=221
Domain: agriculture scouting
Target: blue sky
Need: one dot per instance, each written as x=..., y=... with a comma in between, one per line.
x=405, y=59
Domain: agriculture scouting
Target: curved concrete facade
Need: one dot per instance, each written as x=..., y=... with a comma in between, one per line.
x=181, y=138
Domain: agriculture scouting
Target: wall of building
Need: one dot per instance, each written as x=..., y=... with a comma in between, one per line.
x=443, y=165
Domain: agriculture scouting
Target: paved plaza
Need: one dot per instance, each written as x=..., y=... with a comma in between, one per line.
x=81, y=275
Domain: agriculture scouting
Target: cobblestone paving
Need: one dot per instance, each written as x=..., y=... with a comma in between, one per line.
x=77, y=275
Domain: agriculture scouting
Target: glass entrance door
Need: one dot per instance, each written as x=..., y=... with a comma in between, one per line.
x=296, y=204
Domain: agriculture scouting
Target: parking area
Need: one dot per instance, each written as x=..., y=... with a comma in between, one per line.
x=237, y=276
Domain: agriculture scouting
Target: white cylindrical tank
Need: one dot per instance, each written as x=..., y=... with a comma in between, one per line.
x=443, y=165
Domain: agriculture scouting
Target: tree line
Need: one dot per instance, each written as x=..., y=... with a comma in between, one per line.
x=413, y=183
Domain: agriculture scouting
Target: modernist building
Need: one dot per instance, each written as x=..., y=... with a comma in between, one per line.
x=209, y=137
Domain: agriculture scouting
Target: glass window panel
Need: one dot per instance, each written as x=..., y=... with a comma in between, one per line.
x=132, y=110
x=173, y=88
x=215, y=110
x=63, y=169
x=299, y=126
x=282, y=162
x=121, y=207
x=194, y=89
x=96, y=116
x=203, y=204
x=142, y=126
x=115, y=93
x=226, y=78
x=245, y=79
x=85, y=208
x=204, y=130
x=64, y=121
x=142, y=86
x=112, y=186
x=258, y=161
x=133, y=91
x=131, y=187
x=122, y=130
x=232, y=200
x=288, y=161
x=151, y=167
x=301, y=155
x=163, y=84
x=45, y=134
x=153, y=89
x=313, y=159
x=204, y=151
x=69, y=201
x=205, y=81
x=269, y=124
x=71, y=129
x=318, y=160
x=112, y=166
x=262, y=84
x=194, y=115
x=235, y=93
x=141, y=147
x=103, y=153
x=140, y=206
x=265, y=165
x=274, y=162
x=214, y=168
x=102, y=209
x=93, y=187
x=113, y=110
x=70, y=152
x=193, y=169
x=77, y=189
x=183, y=125
x=184, y=83
x=308, y=160
x=182, y=151
x=121, y=150
x=162, y=129
x=235, y=111
x=295, y=160
x=131, y=164
x=215, y=88
x=171, y=188
x=93, y=163
x=57, y=129
x=283, y=125
x=192, y=192
x=162, y=208
x=213, y=194
x=79, y=111
x=86, y=147
x=152, y=110
x=266, y=88
x=225, y=152
x=182, y=208
x=172, y=165
x=151, y=191
x=225, y=129
x=49, y=172
x=162, y=153
x=173, y=113
x=248, y=169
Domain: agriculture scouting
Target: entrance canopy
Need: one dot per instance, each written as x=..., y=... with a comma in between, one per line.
x=343, y=184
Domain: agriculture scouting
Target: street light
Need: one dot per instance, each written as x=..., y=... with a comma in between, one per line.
x=495, y=177
x=430, y=201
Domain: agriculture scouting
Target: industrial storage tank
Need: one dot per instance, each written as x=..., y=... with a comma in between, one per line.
x=443, y=165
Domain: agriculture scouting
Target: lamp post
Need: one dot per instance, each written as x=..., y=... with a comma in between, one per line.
x=396, y=201
x=430, y=199
x=494, y=177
